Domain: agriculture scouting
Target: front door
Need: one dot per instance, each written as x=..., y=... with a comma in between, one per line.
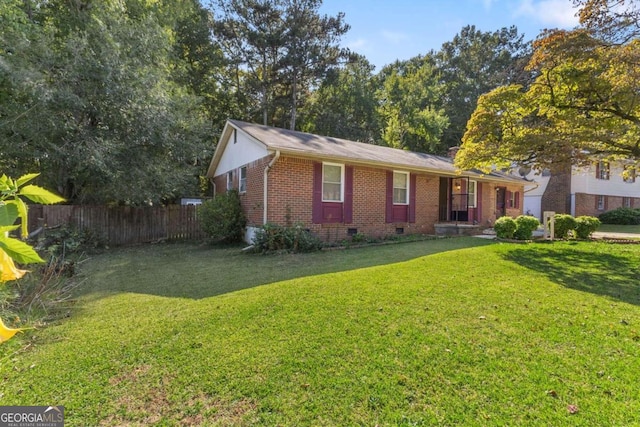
x=501, y=205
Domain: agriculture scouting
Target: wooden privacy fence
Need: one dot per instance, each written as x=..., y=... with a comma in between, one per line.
x=122, y=225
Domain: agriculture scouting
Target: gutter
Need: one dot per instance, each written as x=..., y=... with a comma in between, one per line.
x=266, y=186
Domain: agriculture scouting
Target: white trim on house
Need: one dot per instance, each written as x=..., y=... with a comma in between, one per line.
x=406, y=188
x=341, y=183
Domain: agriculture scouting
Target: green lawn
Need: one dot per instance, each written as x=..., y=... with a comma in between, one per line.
x=620, y=228
x=443, y=332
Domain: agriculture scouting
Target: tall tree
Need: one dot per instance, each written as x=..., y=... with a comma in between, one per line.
x=280, y=49
x=105, y=120
x=408, y=105
x=584, y=103
x=345, y=104
x=473, y=63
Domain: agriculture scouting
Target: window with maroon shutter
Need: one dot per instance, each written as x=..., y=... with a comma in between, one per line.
x=400, y=197
x=332, y=193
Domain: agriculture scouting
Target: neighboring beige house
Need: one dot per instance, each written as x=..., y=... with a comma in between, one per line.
x=337, y=188
x=590, y=190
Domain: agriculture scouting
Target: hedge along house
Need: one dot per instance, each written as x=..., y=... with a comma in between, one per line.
x=337, y=188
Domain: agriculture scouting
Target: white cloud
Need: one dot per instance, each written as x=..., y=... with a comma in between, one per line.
x=487, y=4
x=394, y=37
x=358, y=44
x=554, y=13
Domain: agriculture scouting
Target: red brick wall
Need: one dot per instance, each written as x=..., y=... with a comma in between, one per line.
x=586, y=204
x=557, y=195
x=252, y=199
x=290, y=199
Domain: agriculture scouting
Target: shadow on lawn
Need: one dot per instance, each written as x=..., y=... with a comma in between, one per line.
x=195, y=272
x=599, y=273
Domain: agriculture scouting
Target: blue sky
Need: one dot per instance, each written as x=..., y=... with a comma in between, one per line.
x=386, y=30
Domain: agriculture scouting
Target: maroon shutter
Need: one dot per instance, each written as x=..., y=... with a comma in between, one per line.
x=479, y=202
x=316, y=214
x=509, y=199
x=348, y=194
x=597, y=170
x=389, y=198
x=412, y=198
x=517, y=199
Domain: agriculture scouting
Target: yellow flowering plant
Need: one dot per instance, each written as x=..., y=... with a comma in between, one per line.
x=12, y=250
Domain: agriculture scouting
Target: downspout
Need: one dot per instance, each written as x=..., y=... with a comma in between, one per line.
x=266, y=187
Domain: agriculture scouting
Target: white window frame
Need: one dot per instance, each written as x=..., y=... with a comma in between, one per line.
x=626, y=202
x=632, y=175
x=242, y=179
x=230, y=180
x=472, y=196
x=408, y=182
x=604, y=170
x=341, y=166
x=601, y=202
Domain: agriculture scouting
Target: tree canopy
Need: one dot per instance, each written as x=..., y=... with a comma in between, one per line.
x=583, y=104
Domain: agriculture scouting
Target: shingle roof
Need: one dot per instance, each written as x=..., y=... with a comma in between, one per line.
x=328, y=148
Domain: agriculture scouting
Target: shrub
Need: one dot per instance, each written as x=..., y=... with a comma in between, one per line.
x=505, y=227
x=585, y=226
x=222, y=217
x=621, y=216
x=563, y=224
x=525, y=225
x=273, y=238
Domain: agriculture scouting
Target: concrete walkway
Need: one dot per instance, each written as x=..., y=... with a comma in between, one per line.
x=612, y=235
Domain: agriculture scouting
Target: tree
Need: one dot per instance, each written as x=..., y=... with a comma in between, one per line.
x=344, y=106
x=279, y=49
x=474, y=63
x=102, y=114
x=408, y=99
x=583, y=104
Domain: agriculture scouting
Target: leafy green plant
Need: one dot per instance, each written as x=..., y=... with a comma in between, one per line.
x=12, y=250
x=563, y=224
x=621, y=216
x=275, y=238
x=525, y=225
x=585, y=226
x=222, y=218
x=505, y=227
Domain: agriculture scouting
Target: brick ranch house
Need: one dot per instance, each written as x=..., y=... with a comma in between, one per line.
x=337, y=188
x=586, y=190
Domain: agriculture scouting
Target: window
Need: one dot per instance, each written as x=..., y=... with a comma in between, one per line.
x=602, y=170
x=229, y=180
x=473, y=194
x=400, y=188
x=332, y=179
x=601, y=203
x=243, y=179
x=627, y=202
x=629, y=174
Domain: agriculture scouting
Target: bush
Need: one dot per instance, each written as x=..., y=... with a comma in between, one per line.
x=222, y=217
x=505, y=227
x=273, y=238
x=525, y=225
x=563, y=224
x=621, y=216
x=585, y=226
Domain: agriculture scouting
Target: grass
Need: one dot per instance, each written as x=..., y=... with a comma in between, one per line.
x=444, y=332
x=635, y=229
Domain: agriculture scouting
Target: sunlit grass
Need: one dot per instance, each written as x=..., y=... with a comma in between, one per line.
x=425, y=333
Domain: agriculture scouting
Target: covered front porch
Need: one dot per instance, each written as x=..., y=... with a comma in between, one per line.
x=467, y=206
